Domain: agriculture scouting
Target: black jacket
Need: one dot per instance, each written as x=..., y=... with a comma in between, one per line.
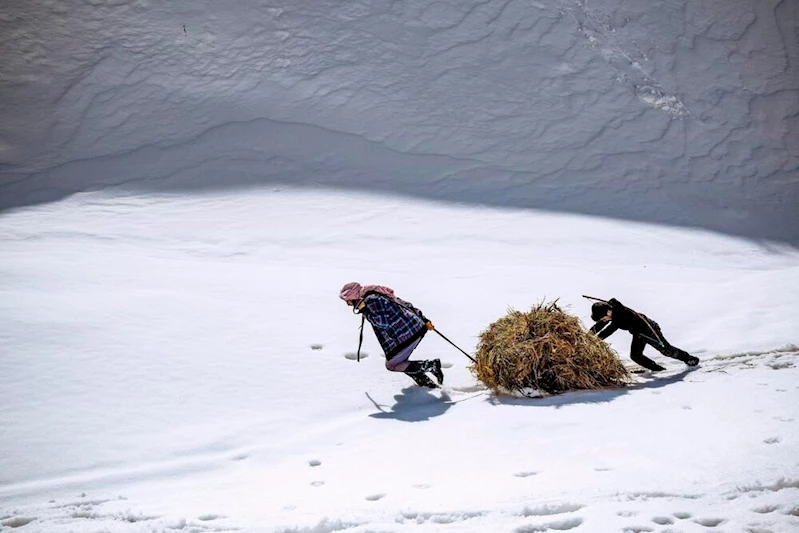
x=622, y=318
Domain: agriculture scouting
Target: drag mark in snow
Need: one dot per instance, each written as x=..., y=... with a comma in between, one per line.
x=103, y=515
x=325, y=526
x=438, y=518
x=657, y=495
x=780, y=484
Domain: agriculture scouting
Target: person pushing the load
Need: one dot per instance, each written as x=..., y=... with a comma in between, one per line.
x=611, y=315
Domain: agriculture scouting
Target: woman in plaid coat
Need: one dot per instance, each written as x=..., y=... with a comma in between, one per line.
x=398, y=326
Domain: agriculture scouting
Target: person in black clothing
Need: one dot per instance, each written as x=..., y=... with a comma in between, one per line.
x=612, y=315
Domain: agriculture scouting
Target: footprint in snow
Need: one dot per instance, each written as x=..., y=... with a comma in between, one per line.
x=663, y=520
x=765, y=509
x=421, y=486
x=637, y=529
x=682, y=515
x=317, y=346
x=561, y=525
x=772, y=440
x=525, y=474
x=602, y=469
x=445, y=364
x=627, y=514
x=314, y=462
x=352, y=356
x=209, y=517
x=375, y=497
x=17, y=521
x=709, y=522
x=551, y=509
x=317, y=483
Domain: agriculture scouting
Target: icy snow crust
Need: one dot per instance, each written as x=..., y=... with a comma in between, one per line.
x=676, y=112
x=182, y=364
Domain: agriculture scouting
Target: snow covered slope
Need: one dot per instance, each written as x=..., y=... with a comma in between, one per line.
x=173, y=357
x=183, y=364
x=678, y=112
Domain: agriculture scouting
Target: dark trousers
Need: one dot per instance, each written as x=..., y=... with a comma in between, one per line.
x=654, y=337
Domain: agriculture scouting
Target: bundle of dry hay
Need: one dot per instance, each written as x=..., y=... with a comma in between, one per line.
x=545, y=350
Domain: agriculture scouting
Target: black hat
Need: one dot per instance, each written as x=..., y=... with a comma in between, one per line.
x=599, y=310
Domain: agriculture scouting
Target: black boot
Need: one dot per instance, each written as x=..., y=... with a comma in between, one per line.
x=433, y=366
x=422, y=380
x=683, y=356
x=436, y=371
x=420, y=367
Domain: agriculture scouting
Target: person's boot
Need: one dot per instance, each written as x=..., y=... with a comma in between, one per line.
x=685, y=357
x=434, y=367
x=422, y=380
x=420, y=367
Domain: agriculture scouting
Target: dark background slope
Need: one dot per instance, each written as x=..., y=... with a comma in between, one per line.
x=673, y=112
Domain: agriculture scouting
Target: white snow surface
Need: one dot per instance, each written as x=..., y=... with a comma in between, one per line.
x=185, y=186
x=181, y=363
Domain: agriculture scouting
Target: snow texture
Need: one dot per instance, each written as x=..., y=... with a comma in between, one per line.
x=674, y=112
x=185, y=186
x=158, y=372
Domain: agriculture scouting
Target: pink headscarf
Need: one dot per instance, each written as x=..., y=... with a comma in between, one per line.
x=354, y=291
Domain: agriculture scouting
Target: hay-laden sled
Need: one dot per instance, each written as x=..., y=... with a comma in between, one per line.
x=545, y=350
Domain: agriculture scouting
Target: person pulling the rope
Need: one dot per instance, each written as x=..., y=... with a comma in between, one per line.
x=398, y=326
x=612, y=315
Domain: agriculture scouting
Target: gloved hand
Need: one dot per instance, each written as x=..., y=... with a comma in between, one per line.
x=430, y=326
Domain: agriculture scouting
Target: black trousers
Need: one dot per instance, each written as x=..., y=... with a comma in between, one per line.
x=654, y=337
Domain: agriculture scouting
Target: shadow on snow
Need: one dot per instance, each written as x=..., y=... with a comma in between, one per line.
x=414, y=404
x=593, y=396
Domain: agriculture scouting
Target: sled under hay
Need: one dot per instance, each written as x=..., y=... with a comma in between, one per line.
x=545, y=350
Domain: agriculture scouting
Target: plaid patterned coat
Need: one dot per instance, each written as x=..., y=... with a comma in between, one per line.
x=396, y=323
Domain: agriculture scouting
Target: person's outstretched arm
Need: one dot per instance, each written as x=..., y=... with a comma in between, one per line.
x=604, y=329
